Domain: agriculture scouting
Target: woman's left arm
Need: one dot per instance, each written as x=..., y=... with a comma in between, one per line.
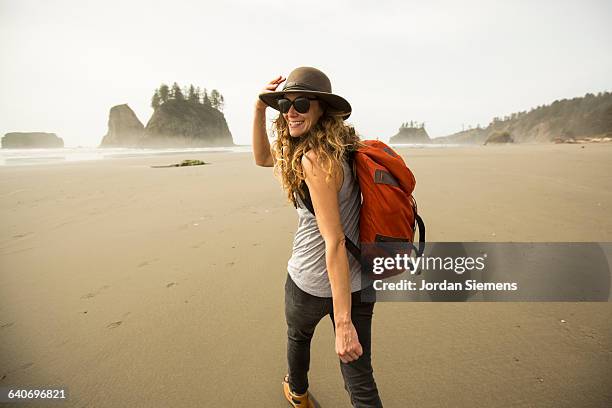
x=324, y=195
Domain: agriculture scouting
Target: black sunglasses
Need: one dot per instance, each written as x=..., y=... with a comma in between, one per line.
x=301, y=104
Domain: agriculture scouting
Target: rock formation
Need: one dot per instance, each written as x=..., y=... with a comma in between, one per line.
x=183, y=123
x=410, y=134
x=499, y=137
x=31, y=140
x=124, y=128
x=175, y=123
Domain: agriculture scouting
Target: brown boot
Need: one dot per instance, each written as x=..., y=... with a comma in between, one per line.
x=296, y=400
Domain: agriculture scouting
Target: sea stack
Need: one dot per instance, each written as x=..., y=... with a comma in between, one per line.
x=184, y=123
x=31, y=140
x=124, y=128
x=411, y=133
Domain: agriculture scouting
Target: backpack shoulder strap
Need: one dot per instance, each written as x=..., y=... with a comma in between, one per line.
x=350, y=245
x=307, y=200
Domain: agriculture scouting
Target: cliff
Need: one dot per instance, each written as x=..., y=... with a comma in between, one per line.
x=124, y=128
x=563, y=120
x=179, y=123
x=31, y=140
x=410, y=134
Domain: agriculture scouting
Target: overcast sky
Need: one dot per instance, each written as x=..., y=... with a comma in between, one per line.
x=445, y=63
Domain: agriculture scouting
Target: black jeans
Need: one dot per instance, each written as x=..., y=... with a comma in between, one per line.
x=303, y=311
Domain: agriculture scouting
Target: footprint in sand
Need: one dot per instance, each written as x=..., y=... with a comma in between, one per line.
x=114, y=324
x=97, y=292
x=26, y=365
x=145, y=263
x=169, y=285
x=7, y=325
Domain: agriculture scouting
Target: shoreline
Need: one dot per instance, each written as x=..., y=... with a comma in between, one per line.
x=32, y=157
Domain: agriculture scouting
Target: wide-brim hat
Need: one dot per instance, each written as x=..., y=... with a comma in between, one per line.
x=310, y=81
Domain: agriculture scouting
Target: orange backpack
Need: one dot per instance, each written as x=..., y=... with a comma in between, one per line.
x=388, y=212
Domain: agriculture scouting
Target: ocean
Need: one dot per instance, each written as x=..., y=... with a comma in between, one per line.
x=20, y=157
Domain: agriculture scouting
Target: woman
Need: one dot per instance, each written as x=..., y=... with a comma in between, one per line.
x=323, y=279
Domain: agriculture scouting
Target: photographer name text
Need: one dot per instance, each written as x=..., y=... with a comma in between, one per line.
x=445, y=285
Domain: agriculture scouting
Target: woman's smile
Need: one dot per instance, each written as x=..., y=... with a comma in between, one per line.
x=295, y=123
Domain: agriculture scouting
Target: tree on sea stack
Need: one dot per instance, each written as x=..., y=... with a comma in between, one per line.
x=189, y=94
x=164, y=93
x=192, y=96
x=205, y=98
x=176, y=93
x=221, y=103
x=155, y=100
x=214, y=98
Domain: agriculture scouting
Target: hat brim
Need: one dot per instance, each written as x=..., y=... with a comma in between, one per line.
x=337, y=105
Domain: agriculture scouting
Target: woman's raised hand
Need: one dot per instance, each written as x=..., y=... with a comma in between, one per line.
x=271, y=87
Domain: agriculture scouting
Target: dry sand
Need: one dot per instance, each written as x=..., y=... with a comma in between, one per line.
x=142, y=287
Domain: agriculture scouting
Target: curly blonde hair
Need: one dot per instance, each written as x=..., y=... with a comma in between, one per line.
x=330, y=139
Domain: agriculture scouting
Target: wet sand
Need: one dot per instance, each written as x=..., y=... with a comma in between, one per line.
x=149, y=287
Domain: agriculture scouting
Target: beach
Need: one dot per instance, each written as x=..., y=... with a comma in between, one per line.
x=135, y=286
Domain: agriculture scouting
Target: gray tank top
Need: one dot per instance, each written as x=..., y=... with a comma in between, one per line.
x=307, y=266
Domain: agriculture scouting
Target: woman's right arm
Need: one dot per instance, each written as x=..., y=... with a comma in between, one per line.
x=261, y=145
